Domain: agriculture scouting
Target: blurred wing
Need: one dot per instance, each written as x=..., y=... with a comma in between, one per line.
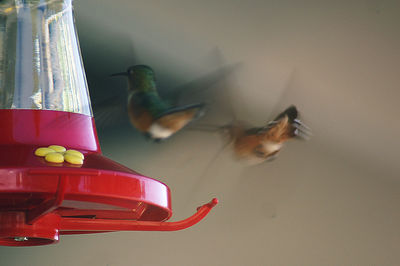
x=111, y=112
x=284, y=95
x=201, y=84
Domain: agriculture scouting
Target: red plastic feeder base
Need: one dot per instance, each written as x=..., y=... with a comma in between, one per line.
x=40, y=201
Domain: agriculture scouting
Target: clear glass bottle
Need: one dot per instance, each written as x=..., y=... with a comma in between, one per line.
x=40, y=62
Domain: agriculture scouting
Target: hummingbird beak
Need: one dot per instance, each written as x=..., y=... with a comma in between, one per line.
x=119, y=74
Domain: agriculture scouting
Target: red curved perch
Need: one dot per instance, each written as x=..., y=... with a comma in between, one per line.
x=79, y=225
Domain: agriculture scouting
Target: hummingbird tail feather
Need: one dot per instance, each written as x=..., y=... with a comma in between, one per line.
x=300, y=130
x=199, y=106
x=176, y=118
x=287, y=125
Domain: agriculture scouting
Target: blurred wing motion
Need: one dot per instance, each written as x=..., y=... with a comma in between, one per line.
x=111, y=112
x=201, y=84
x=261, y=144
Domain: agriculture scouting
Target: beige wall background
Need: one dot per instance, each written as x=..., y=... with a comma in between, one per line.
x=333, y=200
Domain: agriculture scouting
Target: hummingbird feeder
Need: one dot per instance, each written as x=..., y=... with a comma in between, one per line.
x=44, y=101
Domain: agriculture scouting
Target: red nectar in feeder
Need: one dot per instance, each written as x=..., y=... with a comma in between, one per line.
x=44, y=101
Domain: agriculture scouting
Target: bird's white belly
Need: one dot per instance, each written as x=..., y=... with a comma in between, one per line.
x=159, y=132
x=272, y=146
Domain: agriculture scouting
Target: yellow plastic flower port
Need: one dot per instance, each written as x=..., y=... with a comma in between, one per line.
x=59, y=154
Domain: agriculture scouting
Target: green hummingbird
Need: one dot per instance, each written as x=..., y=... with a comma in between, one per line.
x=148, y=112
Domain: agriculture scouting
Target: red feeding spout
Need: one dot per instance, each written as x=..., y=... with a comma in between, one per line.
x=71, y=225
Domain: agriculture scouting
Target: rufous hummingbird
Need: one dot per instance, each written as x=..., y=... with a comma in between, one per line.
x=148, y=112
x=260, y=144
